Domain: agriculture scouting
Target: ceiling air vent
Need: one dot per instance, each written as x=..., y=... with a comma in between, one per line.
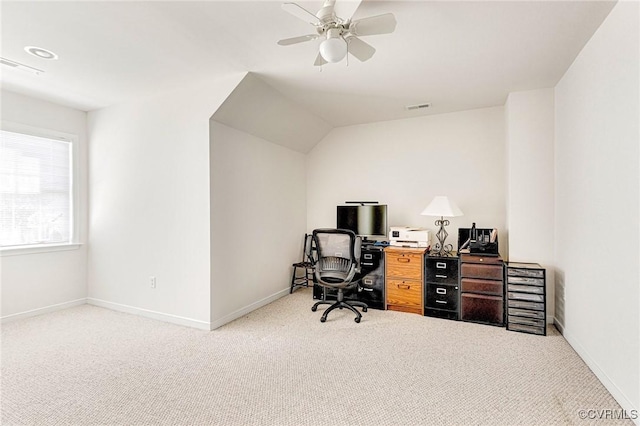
x=19, y=66
x=419, y=106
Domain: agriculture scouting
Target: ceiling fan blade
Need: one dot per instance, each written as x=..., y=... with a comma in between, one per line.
x=294, y=40
x=358, y=48
x=319, y=61
x=380, y=24
x=301, y=13
x=346, y=8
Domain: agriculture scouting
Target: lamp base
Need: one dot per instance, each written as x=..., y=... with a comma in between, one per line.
x=442, y=249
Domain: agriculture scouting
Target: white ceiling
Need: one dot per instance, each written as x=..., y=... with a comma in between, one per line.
x=457, y=55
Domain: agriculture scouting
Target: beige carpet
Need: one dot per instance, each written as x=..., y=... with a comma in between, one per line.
x=281, y=366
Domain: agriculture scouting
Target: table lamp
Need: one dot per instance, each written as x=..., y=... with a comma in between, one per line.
x=443, y=207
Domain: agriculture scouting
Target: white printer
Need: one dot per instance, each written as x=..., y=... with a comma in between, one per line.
x=407, y=236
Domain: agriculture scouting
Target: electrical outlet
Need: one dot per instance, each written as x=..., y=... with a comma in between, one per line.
x=152, y=282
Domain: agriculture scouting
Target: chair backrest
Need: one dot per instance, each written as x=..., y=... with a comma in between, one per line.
x=337, y=260
x=308, y=255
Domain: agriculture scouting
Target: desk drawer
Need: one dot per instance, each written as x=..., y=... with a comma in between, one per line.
x=526, y=296
x=525, y=305
x=525, y=288
x=475, y=270
x=525, y=321
x=524, y=272
x=482, y=308
x=404, y=293
x=526, y=281
x=493, y=260
x=527, y=328
x=406, y=265
x=443, y=271
x=442, y=296
x=526, y=313
x=474, y=285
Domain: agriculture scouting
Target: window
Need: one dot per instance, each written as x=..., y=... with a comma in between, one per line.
x=36, y=190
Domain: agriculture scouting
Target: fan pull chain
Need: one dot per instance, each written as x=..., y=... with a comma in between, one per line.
x=348, y=43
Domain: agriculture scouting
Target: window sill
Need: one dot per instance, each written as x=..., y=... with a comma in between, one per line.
x=44, y=248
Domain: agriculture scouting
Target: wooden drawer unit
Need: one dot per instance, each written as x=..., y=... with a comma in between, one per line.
x=442, y=289
x=526, y=298
x=482, y=289
x=403, y=279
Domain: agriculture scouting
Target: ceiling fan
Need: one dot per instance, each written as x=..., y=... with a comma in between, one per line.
x=340, y=34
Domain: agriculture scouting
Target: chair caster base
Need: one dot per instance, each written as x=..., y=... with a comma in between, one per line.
x=357, y=319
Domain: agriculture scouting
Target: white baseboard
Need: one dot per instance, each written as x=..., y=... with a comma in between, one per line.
x=160, y=316
x=615, y=391
x=45, y=310
x=249, y=308
x=558, y=325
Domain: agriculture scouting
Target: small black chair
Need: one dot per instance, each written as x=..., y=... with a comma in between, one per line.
x=306, y=263
x=337, y=267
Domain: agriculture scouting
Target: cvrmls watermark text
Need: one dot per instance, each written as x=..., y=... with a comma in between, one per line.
x=608, y=414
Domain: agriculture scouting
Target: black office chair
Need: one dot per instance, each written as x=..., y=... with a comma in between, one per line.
x=337, y=267
x=307, y=264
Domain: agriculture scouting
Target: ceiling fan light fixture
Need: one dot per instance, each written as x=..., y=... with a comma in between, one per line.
x=334, y=48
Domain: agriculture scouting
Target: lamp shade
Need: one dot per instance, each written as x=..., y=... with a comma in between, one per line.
x=442, y=206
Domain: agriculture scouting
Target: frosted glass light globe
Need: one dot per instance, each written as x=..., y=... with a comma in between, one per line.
x=333, y=49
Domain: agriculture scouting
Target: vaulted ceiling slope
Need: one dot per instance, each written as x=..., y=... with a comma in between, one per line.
x=256, y=108
x=455, y=54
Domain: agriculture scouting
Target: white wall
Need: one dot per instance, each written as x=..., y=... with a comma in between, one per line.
x=150, y=214
x=405, y=163
x=257, y=220
x=530, y=178
x=597, y=202
x=35, y=283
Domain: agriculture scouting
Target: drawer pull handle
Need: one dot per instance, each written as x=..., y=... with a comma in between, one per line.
x=441, y=301
x=368, y=256
x=367, y=263
x=404, y=260
x=441, y=265
x=441, y=276
x=405, y=286
x=441, y=290
x=367, y=289
x=368, y=281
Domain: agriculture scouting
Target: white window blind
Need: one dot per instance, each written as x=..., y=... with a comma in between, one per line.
x=36, y=194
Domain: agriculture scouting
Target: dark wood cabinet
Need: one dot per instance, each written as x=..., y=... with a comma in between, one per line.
x=482, y=289
x=442, y=289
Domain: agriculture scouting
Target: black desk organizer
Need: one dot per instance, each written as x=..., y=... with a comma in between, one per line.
x=526, y=298
x=481, y=246
x=370, y=288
